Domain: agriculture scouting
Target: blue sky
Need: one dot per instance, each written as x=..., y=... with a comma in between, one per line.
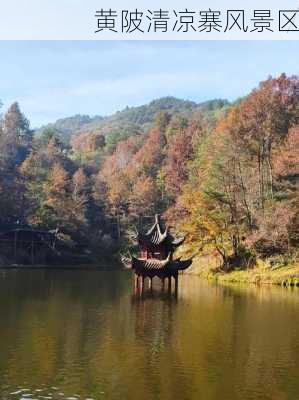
x=55, y=79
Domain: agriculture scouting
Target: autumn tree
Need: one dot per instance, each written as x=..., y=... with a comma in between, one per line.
x=162, y=120
x=46, y=136
x=86, y=144
x=179, y=151
x=15, y=142
x=214, y=198
x=142, y=197
x=35, y=170
x=261, y=122
x=242, y=188
x=80, y=198
x=15, y=138
x=57, y=191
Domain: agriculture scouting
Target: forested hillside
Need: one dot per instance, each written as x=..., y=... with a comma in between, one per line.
x=224, y=174
x=125, y=122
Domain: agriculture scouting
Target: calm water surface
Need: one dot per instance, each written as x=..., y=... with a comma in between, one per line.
x=84, y=335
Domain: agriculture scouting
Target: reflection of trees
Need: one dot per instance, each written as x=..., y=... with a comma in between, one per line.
x=85, y=333
x=49, y=322
x=267, y=345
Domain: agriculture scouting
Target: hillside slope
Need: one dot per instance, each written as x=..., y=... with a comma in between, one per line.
x=129, y=119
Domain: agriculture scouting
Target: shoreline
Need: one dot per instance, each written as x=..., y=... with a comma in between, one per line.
x=57, y=267
x=104, y=264
x=261, y=274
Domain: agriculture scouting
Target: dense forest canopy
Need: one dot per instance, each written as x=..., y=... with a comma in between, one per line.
x=224, y=174
x=131, y=118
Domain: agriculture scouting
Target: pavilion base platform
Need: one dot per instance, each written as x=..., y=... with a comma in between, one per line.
x=145, y=282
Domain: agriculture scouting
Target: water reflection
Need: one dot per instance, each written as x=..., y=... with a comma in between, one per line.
x=84, y=334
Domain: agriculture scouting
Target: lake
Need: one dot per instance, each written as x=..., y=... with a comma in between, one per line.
x=83, y=334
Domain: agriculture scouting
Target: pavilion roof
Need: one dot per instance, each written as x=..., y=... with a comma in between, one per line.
x=149, y=264
x=157, y=235
x=153, y=265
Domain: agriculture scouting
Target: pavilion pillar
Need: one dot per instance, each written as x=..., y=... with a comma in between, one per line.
x=150, y=284
x=169, y=283
x=142, y=283
x=176, y=284
x=136, y=281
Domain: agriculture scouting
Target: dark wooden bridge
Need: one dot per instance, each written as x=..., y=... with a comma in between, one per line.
x=22, y=241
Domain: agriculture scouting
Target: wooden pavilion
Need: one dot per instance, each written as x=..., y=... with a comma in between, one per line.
x=156, y=248
x=21, y=242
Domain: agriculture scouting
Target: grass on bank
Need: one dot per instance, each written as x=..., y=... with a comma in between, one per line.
x=264, y=272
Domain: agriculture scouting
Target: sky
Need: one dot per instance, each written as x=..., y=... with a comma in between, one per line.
x=57, y=79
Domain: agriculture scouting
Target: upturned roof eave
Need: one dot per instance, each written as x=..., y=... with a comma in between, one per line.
x=146, y=265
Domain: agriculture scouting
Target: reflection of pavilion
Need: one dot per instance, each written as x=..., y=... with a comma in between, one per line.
x=156, y=246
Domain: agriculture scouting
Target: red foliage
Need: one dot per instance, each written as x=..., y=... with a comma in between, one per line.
x=179, y=153
x=148, y=158
x=286, y=158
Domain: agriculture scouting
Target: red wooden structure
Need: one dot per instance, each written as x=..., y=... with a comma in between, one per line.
x=156, y=247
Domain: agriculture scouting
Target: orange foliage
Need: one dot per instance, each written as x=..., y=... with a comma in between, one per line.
x=286, y=157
